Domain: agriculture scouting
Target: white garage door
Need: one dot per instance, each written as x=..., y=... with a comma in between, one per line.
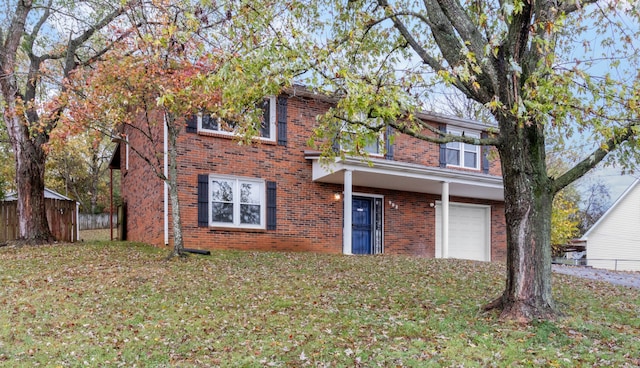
x=469, y=231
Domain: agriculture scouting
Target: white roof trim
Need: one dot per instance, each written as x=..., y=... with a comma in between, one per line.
x=456, y=121
x=55, y=195
x=48, y=193
x=611, y=209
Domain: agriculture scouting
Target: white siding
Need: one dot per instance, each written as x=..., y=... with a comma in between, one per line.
x=617, y=235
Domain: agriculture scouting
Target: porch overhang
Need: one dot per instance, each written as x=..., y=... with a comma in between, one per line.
x=402, y=176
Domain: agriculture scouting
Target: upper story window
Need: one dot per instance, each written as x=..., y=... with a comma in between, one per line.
x=371, y=145
x=236, y=202
x=462, y=154
x=208, y=123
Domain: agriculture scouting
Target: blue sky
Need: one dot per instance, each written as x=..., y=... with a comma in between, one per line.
x=601, y=54
x=612, y=178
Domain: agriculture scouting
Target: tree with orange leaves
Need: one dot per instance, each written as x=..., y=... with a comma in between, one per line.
x=179, y=60
x=41, y=44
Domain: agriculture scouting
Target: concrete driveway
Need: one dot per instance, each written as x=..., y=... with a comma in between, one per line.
x=630, y=279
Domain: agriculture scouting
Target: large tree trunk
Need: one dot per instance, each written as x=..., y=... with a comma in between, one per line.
x=30, y=158
x=26, y=144
x=30, y=165
x=27, y=132
x=528, y=204
x=32, y=223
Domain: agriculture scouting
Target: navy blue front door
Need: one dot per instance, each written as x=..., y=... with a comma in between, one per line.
x=362, y=228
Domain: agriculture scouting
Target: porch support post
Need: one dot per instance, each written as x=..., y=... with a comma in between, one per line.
x=348, y=203
x=445, y=219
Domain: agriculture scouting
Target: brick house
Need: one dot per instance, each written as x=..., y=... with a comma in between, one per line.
x=277, y=195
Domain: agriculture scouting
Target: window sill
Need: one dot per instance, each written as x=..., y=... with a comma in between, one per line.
x=231, y=136
x=463, y=168
x=372, y=155
x=237, y=229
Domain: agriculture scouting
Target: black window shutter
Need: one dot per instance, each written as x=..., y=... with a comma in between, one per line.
x=265, y=128
x=271, y=205
x=485, y=155
x=203, y=203
x=335, y=144
x=282, y=120
x=388, y=144
x=192, y=124
x=443, y=148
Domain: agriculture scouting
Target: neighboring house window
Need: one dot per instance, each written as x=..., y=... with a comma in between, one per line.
x=236, y=202
x=462, y=154
x=208, y=123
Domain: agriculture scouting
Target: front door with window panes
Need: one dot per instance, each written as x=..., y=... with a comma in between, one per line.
x=366, y=227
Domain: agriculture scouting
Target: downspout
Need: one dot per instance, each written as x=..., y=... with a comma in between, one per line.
x=165, y=186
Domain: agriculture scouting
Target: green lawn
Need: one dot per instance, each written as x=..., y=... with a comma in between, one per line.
x=122, y=304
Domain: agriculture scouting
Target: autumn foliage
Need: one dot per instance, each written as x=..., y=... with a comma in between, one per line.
x=149, y=83
x=564, y=222
x=124, y=88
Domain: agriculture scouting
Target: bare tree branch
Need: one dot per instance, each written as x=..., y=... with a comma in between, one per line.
x=595, y=157
x=571, y=6
x=445, y=33
x=9, y=50
x=70, y=63
x=442, y=137
x=428, y=59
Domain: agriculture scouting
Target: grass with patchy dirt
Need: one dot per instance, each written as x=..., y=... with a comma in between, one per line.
x=122, y=304
x=97, y=235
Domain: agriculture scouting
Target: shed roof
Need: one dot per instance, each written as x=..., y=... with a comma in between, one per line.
x=48, y=193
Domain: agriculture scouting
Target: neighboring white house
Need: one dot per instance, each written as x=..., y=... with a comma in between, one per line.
x=613, y=242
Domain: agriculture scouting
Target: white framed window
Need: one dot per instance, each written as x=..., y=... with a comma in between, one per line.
x=462, y=154
x=208, y=123
x=236, y=202
x=373, y=145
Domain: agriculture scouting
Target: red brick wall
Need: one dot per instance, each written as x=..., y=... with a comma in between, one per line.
x=412, y=150
x=498, y=233
x=308, y=216
x=142, y=190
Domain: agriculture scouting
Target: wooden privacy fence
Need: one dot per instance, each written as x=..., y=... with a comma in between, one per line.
x=8, y=221
x=61, y=215
x=89, y=221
